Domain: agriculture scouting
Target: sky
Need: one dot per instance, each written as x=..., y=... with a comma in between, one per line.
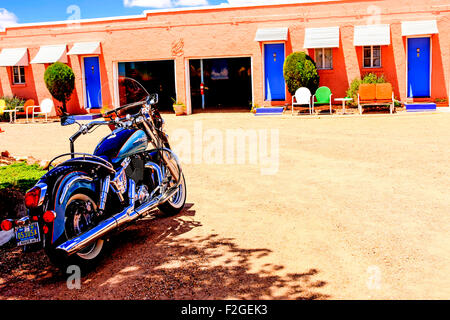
x=29, y=11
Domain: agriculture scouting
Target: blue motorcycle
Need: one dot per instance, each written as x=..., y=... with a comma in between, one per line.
x=79, y=202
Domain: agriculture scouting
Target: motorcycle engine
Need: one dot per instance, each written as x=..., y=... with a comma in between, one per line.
x=142, y=194
x=144, y=178
x=135, y=170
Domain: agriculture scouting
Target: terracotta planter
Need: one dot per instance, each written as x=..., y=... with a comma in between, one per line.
x=179, y=109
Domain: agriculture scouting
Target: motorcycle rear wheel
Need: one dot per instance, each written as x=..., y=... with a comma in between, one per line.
x=76, y=224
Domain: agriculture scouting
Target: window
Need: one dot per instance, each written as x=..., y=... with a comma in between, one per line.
x=18, y=75
x=372, y=57
x=324, y=58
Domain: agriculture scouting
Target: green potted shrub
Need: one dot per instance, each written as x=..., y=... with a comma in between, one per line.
x=11, y=103
x=179, y=107
x=441, y=102
x=300, y=70
x=60, y=81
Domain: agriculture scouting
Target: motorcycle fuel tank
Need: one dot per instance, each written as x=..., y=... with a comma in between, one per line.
x=121, y=143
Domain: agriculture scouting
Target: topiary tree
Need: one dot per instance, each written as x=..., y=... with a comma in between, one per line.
x=60, y=81
x=300, y=71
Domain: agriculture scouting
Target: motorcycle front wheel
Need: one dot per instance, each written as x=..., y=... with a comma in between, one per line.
x=176, y=203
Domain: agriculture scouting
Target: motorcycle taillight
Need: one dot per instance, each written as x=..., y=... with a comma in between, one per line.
x=49, y=216
x=6, y=225
x=32, y=198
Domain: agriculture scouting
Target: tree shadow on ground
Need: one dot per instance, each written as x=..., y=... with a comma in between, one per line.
x=152, y=260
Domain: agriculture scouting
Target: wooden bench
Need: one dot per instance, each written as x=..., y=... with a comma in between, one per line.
x=376, y=94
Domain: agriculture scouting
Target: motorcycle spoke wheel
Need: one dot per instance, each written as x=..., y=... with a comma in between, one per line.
x=78, y=221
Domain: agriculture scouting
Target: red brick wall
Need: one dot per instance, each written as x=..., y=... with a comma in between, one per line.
x=230, y=32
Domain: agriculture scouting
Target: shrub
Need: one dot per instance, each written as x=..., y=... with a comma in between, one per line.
x=300, y=71
x=11, y=103
x=352, y=92
x=60, y=81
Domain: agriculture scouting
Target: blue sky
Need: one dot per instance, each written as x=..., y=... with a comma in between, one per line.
x=28, y=11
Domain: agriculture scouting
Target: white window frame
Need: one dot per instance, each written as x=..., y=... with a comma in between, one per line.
x=371, y=57
x=323, y=58
x=22, y=79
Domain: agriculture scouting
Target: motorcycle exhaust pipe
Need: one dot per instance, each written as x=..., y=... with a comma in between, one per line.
x=76, y=244
x=128, y=214
x=156, y=202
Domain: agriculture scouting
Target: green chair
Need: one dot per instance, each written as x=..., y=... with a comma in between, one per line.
x=322, y=96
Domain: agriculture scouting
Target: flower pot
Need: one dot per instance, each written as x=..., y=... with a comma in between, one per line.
x=179, y=109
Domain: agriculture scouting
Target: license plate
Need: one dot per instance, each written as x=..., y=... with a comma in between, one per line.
x=28, y=234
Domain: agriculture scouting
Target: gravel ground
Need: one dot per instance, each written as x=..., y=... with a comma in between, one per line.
x=358, y=208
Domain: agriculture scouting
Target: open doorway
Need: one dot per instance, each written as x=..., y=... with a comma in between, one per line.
x=156, y=77
x=227, y=84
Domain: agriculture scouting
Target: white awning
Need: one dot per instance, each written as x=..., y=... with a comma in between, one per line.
x=17, y=57
x=321, y=38
x=82, y=48
x=372, y=35
x=272, y=34
x=51, y=54
x=415, y=28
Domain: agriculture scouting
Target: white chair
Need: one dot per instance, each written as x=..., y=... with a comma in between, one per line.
x=46, y=108
x=302, y=97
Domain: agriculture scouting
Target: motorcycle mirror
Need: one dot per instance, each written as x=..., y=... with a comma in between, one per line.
x=67, y=120
x=152, y=99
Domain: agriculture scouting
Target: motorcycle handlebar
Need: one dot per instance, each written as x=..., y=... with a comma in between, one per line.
x=118, y=121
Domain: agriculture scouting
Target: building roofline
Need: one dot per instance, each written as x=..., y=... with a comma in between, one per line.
x=146, y=13
x=228, y=6
x=62, y=22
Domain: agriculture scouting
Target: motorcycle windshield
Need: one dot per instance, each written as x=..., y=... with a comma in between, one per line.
x=130, y=92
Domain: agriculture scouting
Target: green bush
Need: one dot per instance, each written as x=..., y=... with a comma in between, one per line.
x=20, y=176
x=60, y=81
x=11, y=103
x=300, y=71
x=352, y=92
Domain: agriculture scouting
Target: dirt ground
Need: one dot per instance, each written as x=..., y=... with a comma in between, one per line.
x=358, y=208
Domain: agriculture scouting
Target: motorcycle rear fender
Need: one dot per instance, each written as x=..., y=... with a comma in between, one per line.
x=87, y=162
x=72, y=181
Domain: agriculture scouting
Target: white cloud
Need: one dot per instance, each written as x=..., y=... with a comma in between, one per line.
x=7, y=19
x=189, y=3
x=164, y=3
x=247, y=2
x=148, y=3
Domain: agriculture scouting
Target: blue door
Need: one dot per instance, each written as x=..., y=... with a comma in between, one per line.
x=418, y=67
x=93, y=85
x=275, y=87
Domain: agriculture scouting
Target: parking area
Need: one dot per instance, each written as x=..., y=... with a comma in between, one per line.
x=344, y=208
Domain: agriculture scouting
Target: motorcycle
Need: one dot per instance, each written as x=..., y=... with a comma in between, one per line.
x=79, y=202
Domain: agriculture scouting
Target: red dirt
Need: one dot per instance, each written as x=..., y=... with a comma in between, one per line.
x=358, y=210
